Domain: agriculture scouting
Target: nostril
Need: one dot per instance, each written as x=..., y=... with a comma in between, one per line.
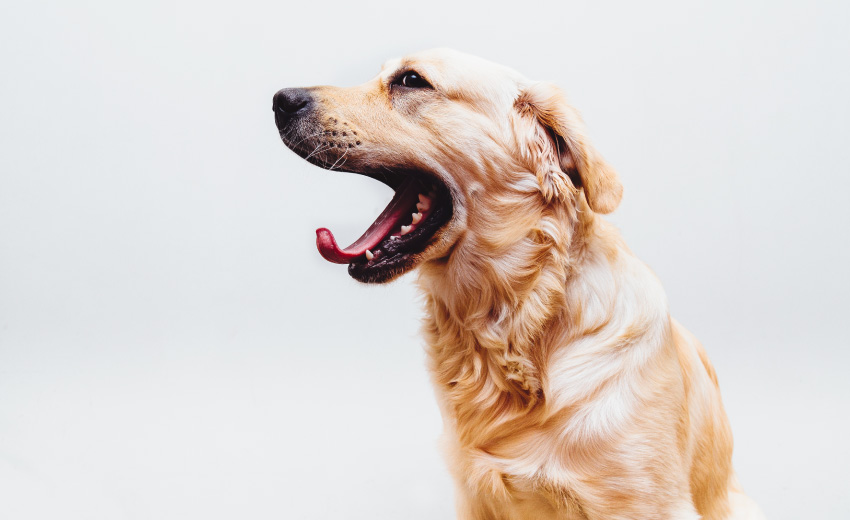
x=291, y=106
x=295, y=107
x=291, y=100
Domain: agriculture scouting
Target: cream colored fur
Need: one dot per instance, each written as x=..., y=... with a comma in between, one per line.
x=567, y=390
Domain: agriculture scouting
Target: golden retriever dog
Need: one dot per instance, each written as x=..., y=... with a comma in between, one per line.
x=567, y=390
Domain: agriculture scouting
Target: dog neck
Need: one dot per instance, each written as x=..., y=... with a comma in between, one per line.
x=489, y=304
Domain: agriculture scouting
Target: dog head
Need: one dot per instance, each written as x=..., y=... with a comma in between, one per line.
x=461, y=140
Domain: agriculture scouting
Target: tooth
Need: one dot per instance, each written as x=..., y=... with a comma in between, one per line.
x=405, y=229
x=416, y=218
x=424, y=203
x=369, y=255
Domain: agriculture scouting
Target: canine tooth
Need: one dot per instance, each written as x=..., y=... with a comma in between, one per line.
x=416, y=218
x=369, y=255
x=405, y=229
x=424, y=203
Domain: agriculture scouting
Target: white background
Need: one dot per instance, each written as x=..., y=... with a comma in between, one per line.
x=172, y=346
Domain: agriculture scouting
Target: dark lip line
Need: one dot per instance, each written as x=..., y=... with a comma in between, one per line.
x=393, y=177
x=389, y=175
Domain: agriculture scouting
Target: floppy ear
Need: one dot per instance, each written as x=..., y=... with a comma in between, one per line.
x=564, y=159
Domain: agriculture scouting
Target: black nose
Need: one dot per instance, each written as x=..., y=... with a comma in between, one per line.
x=290, y=102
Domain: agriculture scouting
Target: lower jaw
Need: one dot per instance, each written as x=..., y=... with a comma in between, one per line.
x=382, y=274
x=394, y=257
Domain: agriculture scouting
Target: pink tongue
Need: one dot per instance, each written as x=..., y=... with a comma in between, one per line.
x=401, y=206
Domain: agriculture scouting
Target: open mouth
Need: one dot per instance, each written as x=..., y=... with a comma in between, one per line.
x=400, y=236
x=395, y=241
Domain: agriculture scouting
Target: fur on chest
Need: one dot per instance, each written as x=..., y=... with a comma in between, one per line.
x=541, y=425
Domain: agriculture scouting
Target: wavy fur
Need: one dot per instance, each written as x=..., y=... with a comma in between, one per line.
x=567, y=390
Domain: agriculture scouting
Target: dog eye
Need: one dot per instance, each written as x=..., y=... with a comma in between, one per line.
x=412, y=79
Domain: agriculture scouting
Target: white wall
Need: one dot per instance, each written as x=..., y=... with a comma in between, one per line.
x=172, y=346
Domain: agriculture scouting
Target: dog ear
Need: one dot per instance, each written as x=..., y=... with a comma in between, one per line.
x=565, y=159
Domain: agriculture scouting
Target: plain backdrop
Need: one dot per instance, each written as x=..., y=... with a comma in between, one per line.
x=172, y=346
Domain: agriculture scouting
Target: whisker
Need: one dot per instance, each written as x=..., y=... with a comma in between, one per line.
x=318, y=149
x=309, y=137
x=338, y=159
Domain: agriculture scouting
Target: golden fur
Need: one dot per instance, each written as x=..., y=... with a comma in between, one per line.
x=567, y=390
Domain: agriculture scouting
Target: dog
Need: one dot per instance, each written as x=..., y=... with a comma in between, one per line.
x=567, y=390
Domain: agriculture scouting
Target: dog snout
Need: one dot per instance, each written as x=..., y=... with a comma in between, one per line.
x=290, y=103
